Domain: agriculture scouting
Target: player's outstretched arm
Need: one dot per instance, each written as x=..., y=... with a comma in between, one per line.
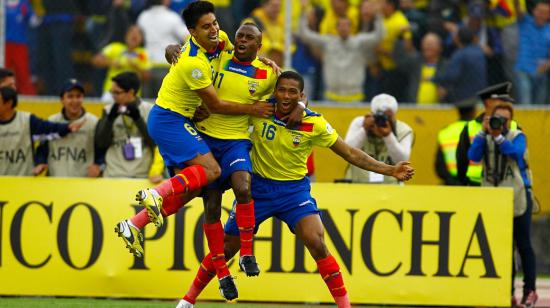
x=402, y=171
x=215, y=105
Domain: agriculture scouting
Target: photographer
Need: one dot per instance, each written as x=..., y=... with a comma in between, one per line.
x=503, y=152
x=380, y=135
x=122, y=131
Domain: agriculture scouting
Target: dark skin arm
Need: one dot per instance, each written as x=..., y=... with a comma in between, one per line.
x=215, y=105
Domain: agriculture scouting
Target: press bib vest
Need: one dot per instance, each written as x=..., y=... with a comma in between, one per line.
x=71, y=156
x=16, y=154
x=376, y=148
x=124, y=128
x=506, y=172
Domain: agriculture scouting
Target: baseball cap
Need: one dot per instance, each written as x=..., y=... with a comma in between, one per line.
x=499, y=91
x=383, y=102
x=71, y=84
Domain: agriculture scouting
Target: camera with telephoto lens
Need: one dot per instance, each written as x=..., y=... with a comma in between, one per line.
x=380, y=119
x=496, y=122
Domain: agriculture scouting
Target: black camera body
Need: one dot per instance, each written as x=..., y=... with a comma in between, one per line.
x=380, y=119
x=496, y=122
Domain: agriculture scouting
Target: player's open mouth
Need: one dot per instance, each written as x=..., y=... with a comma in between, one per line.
x=241, y=48
x=285, y=104
x=213, y=38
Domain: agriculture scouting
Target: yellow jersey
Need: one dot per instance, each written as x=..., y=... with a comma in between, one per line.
x=394, y=26
x=119, y=52
x=281, y=154
x=192, y=72
x=427, y=89
x=237, y=82
x=330, y=21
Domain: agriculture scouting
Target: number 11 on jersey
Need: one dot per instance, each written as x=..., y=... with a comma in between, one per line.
x=216, y=79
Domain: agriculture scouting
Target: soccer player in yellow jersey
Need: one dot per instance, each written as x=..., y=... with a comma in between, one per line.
x=240, y=77
x=281, y=189
x=188, y=83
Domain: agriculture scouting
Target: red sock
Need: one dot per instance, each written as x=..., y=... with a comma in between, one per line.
x=206, y=272
x=245, y=221
x=190, y=178
x=214, y=236
x=330, y=272
x=140, y=220
x=171, y=205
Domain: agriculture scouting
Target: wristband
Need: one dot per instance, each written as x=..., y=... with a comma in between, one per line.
x=301, y=103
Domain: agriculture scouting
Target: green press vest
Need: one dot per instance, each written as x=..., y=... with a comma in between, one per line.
x=448, y=139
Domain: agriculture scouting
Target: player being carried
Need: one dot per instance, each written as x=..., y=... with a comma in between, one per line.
x=191, y=81
x=281, y=189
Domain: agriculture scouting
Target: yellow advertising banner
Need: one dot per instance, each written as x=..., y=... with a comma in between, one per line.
x=414, y=245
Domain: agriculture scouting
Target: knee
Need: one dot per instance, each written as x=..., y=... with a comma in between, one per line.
x=213, y=171
x=317, y=248
x=242, y=193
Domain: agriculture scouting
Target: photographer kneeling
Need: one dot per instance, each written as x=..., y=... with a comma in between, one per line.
x=380, y=135
x=503, y=153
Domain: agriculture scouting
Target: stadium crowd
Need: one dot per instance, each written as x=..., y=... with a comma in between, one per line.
x=419, y=51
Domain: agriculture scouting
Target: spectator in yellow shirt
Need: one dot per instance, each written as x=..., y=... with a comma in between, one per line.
x=120, y=57
x=339, y=9
x=397, y=28
x=269, y=19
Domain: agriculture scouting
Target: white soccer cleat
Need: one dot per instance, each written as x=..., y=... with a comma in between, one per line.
x=184, y=304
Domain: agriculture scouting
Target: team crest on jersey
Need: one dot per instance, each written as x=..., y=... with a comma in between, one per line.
x=296, y=139
x=196, y=73
x=252, y=85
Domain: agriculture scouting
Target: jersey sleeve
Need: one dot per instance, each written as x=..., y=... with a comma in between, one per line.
x=111, y=51
x=196, y=73
x=325, y=135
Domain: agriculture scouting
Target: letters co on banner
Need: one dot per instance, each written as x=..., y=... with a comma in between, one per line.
x=423, y=245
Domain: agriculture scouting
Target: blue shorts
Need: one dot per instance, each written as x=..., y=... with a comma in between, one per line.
x=231, y=155
x=290, y=201
x=176, y=137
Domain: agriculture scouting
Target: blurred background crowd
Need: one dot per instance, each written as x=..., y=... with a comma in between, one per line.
x=419, y=51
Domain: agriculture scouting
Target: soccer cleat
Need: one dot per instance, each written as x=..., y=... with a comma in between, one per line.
x=131, y=236
x=152, y=201
x=184, y=304
x=228, y=289
x=529, y=299
x=249, y=266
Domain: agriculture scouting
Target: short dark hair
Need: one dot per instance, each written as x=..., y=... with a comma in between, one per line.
x=291, y=75
x=253, y=24
x=394, y=3
x=194, y=11
x=127, y=81
x=547, y=2
x=9, y=94
x=4, y=72
x=466, y=36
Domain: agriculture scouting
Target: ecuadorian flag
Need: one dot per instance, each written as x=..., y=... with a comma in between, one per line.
x=502, y=7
